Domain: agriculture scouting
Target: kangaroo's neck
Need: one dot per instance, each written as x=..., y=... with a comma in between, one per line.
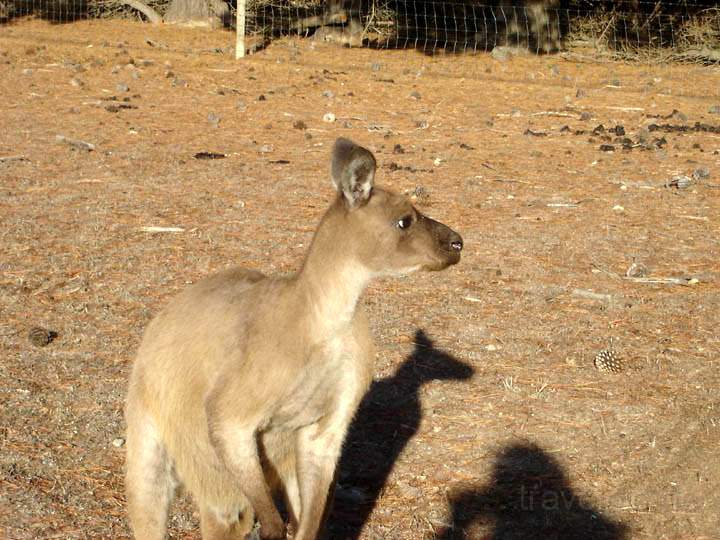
x=332, y=280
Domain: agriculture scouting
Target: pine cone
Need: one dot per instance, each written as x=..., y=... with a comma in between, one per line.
x=40, y=337
x=608, y=360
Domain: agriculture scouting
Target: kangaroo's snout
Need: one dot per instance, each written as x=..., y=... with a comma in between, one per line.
x=448, y=244
x=452, y=243
x=456, y=241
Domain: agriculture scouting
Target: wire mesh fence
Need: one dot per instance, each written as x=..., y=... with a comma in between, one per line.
x=661, y=33
x=681, y=30
x=213, y=12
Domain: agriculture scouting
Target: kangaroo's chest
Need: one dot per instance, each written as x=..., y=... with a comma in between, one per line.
x=331, y=381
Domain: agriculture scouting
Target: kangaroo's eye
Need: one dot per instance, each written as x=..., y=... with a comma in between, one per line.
x=405, y=222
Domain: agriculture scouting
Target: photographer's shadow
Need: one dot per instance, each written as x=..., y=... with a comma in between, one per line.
x=388, y=417
x=529, y=498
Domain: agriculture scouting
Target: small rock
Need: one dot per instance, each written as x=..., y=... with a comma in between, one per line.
x=501, y=54
x=679, y=115
x=607, y=148
x=241, y=105
x=585, y=116
x=122, y=87
x=637, y=269
x=182, y=83
x=135, y=74
x=299, y=124
x=680, y=181
x=554, y=70
x=214, y=119
x=119, y=442
x=398, y=149
x=328, y=94
x=715, y=109
x=27, y=71
x=422, y=124
x=409, y=491
x=265, y=149
x=329, y=117
x=169, y=74
x=77, y=83
x=420, y=195
x=262, y=97
x=618, y=208
x=375, y=66
x=701, y=173
x=414, y=95
x=349, y=494
x=580, y=93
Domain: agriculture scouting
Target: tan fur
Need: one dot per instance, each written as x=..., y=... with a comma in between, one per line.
x=244, y=385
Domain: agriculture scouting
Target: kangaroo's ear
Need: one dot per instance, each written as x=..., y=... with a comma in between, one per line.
x=353, y=172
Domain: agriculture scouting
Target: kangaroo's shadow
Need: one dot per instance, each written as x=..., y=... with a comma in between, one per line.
x=528, y=498
x=388, y=417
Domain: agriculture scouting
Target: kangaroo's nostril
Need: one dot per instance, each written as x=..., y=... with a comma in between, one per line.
x=456, y=245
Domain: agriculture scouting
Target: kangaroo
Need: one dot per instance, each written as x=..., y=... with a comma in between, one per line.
x=244, y=385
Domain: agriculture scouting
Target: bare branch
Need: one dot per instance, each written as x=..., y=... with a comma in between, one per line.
x=151, y=15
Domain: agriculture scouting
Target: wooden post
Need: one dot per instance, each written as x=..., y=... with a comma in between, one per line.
x=240, y=24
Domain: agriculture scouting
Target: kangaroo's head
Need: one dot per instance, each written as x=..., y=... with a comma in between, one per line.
x=388, y=235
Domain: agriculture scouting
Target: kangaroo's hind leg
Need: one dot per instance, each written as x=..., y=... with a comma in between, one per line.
x=149, y=480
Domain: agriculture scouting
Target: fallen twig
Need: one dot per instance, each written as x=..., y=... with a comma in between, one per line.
x=77, y=144
x=161, y=229
x=626, y=109
x=555, y=113
x=664, y=280
x=3, y=159
x=583, y=293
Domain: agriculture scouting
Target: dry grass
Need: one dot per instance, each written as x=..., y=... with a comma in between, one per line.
x=649, y=39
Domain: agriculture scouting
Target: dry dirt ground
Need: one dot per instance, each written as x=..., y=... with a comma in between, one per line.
x=487, y=418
